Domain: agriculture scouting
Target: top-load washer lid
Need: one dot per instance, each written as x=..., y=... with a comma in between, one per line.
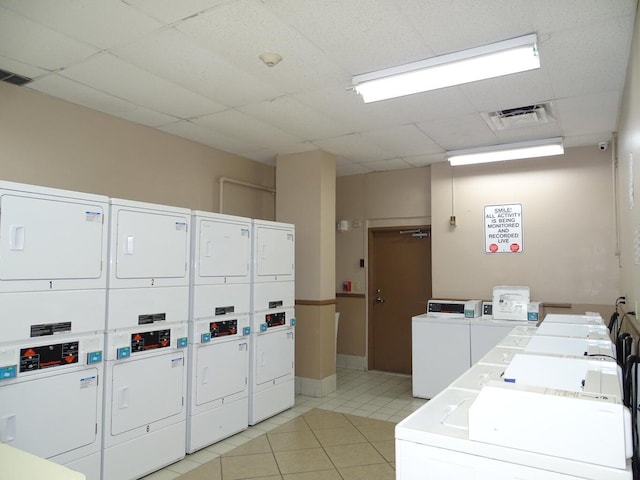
x=599, y=332
x=565, y=373
x=570, y=346
x=587, y=319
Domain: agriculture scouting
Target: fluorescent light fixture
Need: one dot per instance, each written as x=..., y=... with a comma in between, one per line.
x=510, y=151
x=494, y=60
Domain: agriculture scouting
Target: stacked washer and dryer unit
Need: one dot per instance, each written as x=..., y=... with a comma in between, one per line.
x=98, y=300
x=53, y=247
x=146, y=339
x=272, y=339
x=219, y=328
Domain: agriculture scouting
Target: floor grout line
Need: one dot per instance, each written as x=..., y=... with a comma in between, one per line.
x=374, y=395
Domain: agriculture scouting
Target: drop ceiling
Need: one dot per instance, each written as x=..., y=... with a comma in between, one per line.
x=191, y=68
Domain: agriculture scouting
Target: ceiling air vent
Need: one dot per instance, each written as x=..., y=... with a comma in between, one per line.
x=13, y=78
x=529, y=116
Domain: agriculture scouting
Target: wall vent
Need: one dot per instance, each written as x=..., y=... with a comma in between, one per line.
x=529, y=116
x=13, y=78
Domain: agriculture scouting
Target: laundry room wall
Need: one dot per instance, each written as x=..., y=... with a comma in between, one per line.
x=628, y=155
x=569, y=256
x=379, y=199
x=50, y=142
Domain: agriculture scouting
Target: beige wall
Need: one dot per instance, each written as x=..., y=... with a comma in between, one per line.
x=352, y=331
x=400, y=197
x=569, y=231
x=306, y=197
x=50, y=142
x=568, y=228
x=629, y=177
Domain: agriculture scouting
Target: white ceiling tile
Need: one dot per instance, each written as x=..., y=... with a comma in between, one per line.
x=382, y=37
x=290, y=115
x=177, y=58
x=10, y=65
x=206, y=136
x=588, y=114
x=170, y=11
x=31, y=43
x=101, y=23
x=460, y=132
x=511, y=91
x=587, y=61
x=267, y=157
x=242, y=30
x=403, y=140
x=591, y=139
x=460, y=24
x=424, y=160
x=80, y=94
x=353, y=146
x=352, y=169
x=391, y=164
x=123, y=80
x=246, y=128
x=553, y=15
x=198, y=60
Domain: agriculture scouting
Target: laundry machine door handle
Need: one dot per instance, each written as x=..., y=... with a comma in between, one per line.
x=205, y=375
x=123, y=401
x=16, y=237
x=7, y=428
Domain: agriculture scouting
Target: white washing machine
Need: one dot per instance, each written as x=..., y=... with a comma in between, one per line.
x=440, y=347
x=272, y=339
x=146, y=339
x=486, y=333
x=553, y=418
x=434, y=443
x=51, y=399
x=578, y=330
x=53, y=246
x=219, y=328
x=586, y=319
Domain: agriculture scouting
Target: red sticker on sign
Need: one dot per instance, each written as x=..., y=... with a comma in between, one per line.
x=493, y=248
x=514, y=247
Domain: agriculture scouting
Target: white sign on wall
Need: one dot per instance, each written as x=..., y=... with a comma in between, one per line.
x=503, y=228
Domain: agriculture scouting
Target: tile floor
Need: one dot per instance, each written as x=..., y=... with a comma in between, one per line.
x=304, y=443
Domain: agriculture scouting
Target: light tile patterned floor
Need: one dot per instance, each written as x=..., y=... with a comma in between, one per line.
x=307, y=444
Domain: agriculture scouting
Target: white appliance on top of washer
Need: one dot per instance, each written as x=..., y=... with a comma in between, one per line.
x=440, y=347
x=272, y=345
x=146, y=339
x=53, y=246
x=218, y=404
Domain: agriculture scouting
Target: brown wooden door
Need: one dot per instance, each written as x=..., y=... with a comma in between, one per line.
x=399, y=287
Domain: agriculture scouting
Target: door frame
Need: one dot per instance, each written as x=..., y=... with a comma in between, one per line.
x=369, y=278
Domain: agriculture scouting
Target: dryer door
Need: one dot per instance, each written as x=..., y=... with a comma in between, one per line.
x=274, y=252
x=222, y=370
x=274, y=355
x=43, y=238
x=225, y=249
x=146, y=390
x=151, y=245
x=51, y=414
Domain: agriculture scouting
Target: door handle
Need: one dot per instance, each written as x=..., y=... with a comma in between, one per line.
x=379, y=300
